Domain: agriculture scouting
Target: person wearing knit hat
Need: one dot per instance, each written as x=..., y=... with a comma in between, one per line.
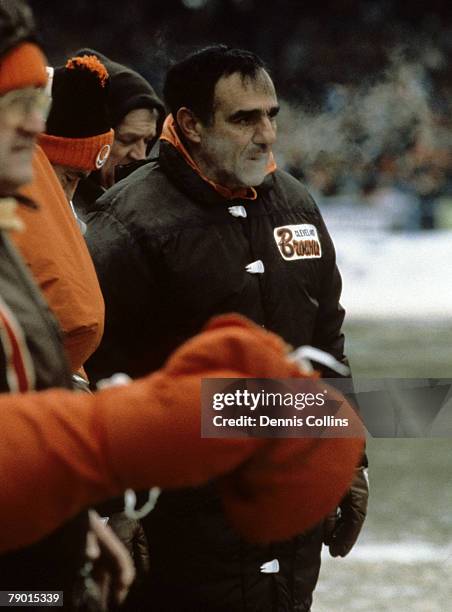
x=77, y=139
x=78, y=136
x=31, y=354
x=128, y=90
x=23, y=101
x=136, y=115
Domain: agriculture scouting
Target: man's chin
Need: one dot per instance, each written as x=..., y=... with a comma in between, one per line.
x=254, y=172
x=254, y=180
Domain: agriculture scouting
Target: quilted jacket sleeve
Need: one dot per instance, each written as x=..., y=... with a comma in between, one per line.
x=62, y=451
x=130, y=292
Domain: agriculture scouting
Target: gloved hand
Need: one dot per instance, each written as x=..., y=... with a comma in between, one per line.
x=343, y=525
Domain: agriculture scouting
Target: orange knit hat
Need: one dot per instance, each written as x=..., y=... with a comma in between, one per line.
x=23, y=66
x=78, y=132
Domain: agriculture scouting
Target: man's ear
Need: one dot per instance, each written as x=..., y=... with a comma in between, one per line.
x=189, y=124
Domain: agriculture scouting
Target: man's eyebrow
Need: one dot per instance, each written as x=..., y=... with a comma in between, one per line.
x=253, y=113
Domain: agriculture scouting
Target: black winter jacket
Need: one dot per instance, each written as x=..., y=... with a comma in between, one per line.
x=169, y=254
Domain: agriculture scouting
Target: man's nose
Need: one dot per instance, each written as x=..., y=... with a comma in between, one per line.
x=33, y=122
x=265, y=133
x=138, y=151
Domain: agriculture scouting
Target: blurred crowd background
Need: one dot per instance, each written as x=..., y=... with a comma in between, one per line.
x=366, y=86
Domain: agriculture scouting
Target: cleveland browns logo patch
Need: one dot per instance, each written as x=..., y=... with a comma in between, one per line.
x=102, y=155
x=298, y=241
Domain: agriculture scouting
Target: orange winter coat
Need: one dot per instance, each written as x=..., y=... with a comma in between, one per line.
x=77, y=449
x=55, y=251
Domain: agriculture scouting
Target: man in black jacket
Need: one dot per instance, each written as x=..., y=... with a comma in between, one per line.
x=213, y=227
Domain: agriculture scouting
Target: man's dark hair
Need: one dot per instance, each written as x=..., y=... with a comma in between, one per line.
x=192, y=81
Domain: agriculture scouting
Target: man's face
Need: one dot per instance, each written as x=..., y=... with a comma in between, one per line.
x=132, y=136
x=235, y=147
x=22, y=118
x=69, y=178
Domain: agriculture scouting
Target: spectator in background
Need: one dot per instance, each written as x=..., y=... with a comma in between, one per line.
x=78, y=140
x=78, y=137
x=136, y=115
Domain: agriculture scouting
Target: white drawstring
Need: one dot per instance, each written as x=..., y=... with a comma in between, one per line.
x=303, y=356
x=130, y=502
x=130, y=499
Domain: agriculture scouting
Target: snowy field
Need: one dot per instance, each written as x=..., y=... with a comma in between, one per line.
x=403, y=560
x=398, y=293
x=395, y=276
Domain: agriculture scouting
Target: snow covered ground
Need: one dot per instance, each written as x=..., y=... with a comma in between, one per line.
x=403, y=560
x=395, y=276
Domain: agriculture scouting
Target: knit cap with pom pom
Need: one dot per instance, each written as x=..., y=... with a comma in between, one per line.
x=78, y=132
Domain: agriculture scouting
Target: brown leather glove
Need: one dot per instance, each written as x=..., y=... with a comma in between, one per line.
x=343, y=525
